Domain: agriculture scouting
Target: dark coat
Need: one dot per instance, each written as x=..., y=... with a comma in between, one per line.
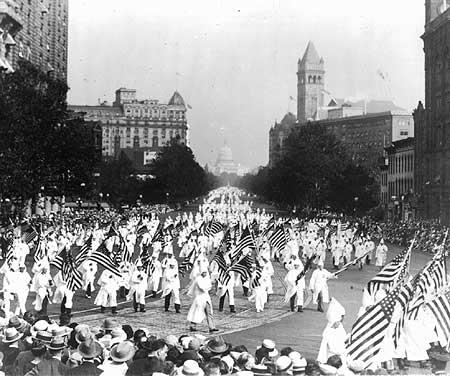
x=84, y=369
x=144, y=367
x=50, y=367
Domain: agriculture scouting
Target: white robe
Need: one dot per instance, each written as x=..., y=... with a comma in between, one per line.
x=199, y=290
x=333, y=343
x=318, y=284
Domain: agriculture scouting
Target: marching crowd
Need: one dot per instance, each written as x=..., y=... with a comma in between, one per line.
x=226, y=244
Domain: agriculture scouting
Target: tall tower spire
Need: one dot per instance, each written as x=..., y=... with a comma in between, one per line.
x=310, y=84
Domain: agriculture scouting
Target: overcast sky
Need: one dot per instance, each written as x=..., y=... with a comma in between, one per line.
x=235, y=61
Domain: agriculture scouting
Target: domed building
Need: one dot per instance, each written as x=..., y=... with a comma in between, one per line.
x=225, y=163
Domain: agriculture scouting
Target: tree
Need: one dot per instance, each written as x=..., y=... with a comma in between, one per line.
x=314, y=171
x=41, y=143
x=177, y=175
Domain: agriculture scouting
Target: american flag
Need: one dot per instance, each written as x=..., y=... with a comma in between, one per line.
x=433, y=276
x=440, y=307
x=392, y=273
x=40, y=251
x=158, y=235
x=246, y=241
x=213, y=228
x=28, y=233
x=269, y=227
x=278, y=239
x=369, y=330
x=120, y=251
x=70, y=274
x=243, y=267
x=404, y=298
x=83, y=254
x=188, y=262
x=102, y=257
x=141, y=230
x=219, y=258
x=256, y=276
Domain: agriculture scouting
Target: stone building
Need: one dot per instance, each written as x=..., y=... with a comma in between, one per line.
x=399, y=199
x=143, y=125
x=310, y=84
x=432, y=119
x=34, y=30
x=225, y=163
x=364, y=127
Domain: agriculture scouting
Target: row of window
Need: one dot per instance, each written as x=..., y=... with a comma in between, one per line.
x=399, y=187
x=401, y=163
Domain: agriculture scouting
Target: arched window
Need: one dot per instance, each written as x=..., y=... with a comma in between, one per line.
x=319, y=79
x=155, y=141
x=309, y=79
x=314, y=79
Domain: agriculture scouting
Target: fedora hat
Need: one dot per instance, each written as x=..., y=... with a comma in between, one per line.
x=190, y=368
x=122, y=352
x=15, y=322
x=11, y=335
x=38, y=326
x=83, y=335
x=43, y=336
x=110, y=324
x=217, y=345
x=57, y=343
x=439, y=353
x=89, y=349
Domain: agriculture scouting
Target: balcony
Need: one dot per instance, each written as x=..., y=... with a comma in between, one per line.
x=10, y=20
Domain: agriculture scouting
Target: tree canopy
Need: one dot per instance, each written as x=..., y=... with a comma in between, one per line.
x=177, y=175
x=314, y=171
x=41, y=143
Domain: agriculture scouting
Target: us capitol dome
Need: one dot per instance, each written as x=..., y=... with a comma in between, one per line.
x=225, y=162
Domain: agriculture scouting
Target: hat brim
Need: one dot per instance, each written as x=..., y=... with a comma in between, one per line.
x=218, y=350
x=443, y=357
x=97, y=352
x=19, y=336
x=56, y=348
x=124, y=359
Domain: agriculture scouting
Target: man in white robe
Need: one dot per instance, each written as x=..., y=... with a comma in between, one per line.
x=334, y=335
x=295, y=287
x=171, y=285
x=138, y=287
x=318, y=285
x=107, y=295
x=201, y=307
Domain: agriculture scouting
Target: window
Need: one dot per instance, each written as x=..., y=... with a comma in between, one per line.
x=155, y=141
x=404, y=133
x=155, y=132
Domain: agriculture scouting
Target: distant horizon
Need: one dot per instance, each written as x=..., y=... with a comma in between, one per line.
x=235, y=62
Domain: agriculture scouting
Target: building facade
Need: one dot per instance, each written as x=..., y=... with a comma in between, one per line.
x=365, y=127
x=399, y=199
x=432, y=119
x=35, y=30
x=310, y=84
x=143, y=125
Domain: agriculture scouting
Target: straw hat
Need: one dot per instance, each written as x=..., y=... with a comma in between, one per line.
x=190, y=368
x=38, y=326
x=43, y=336
x=11, y=335
x=260, y=370
x=57, y=343
x=117, y=336
x=83, y=335
x=283, y=364
x=110, y=324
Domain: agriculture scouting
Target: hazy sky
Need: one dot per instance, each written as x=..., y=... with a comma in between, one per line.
x=235, y=61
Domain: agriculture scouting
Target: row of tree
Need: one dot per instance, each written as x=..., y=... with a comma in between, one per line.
x=315, y=172
x=47, y=149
